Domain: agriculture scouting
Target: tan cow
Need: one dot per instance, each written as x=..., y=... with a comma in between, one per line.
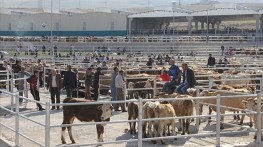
x=252, y=105
x=230, y=102
x=162, y=111
x=183, y=108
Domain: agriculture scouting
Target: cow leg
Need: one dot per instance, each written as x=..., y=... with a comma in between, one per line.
x=210, y=112
x=134, y=127
x=173, y=129
x=70, y=131
x=187, y=125
x=242, y=118
x=183, y=126
x=238, y=118
x=63, y=132
x=130, y=123
x=250, y=122
x=100, y=131
x=180, y=125
x=169, y=131
x=235, y=116
x=144, y=129
x=222, y=121
x=161, y=129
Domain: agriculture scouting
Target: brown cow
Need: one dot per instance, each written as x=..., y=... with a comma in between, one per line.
x=133, y=115
x=86, y=113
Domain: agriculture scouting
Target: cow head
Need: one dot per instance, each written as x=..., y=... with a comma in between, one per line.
x=148, y=84
x=106, y=111
x=131, y=85
x=250, y=103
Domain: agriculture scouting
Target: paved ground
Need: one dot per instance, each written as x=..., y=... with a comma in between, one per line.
x=87, y=134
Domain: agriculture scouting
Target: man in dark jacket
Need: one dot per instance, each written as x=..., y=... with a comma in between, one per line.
x=211, y=61
x=70, y=81
x=96, y=82
x=188, y=80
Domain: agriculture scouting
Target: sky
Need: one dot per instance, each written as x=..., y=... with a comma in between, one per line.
x=70, y=4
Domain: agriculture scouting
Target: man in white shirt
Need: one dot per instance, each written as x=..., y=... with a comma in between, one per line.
x=119, y=84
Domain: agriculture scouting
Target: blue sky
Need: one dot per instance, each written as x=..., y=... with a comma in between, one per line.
x=67, y=4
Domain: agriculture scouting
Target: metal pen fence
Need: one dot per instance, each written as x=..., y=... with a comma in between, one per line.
x=140, y=120
x=47, y=125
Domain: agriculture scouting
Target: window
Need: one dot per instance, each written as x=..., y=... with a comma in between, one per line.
x=112, y=25
x=31, y=26
x=9, y=26
x=57, y=26
x=84, y=26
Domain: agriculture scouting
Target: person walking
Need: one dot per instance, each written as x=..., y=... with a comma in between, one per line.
x=54, y=84
x=34, y=86
x=70, y=81
x=119, y=84
x=112, y=84
x=21, y=82
x=175, y=73
x=96, y=82
x=88, y=82
x=188, y=80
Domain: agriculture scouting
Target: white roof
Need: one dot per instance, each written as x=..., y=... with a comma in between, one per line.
x=159, y=14
x=210, y=12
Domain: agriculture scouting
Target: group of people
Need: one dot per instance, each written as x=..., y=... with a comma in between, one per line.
x=175, y=84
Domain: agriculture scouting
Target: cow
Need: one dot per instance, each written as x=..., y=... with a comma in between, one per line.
x=183, y=108
x=133, y=109
x=162, y=111
x=85, y=113
x=252, y=105
x=148, y=112
x=230, y=102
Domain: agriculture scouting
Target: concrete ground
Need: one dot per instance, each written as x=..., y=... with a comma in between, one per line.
x=113, y=132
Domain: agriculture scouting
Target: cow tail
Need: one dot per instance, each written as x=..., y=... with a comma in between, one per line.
x=188, y=107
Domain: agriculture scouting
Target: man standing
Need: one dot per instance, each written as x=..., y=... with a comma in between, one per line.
x=119, y=84
x=33, y=80
x=96, y=83
x=70, y=81
x=211, y=61
x=21, y=84
x=88, y=82
x=222, y=50
x=188, y=80
x=112, y=84
x=175, y=73
x=54, y=84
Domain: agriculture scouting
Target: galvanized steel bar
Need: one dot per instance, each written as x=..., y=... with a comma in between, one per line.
x=218, y=120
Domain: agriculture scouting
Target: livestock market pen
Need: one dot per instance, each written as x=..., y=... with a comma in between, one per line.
x=31, y=128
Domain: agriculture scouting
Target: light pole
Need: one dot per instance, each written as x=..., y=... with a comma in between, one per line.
x=51, y=33
x=207, y=27
x=173, y=2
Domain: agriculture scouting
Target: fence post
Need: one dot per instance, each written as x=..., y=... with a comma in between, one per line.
x=154, y=87
x=218, y=120
x=17, y=121
x=211, y=80
x=140, y=123
x=261, y=84
x=258, y=118
x=47, y=125
x=25, y=90
x=44, y=77
x=12, y=91
x=197, y=108
x=7, y=81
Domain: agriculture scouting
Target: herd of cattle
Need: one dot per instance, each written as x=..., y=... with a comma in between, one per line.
x=170, y=108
